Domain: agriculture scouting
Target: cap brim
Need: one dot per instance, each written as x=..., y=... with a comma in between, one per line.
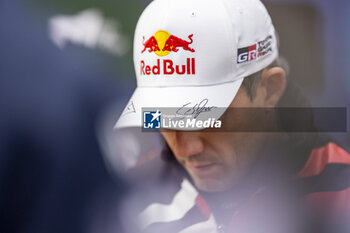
x=219, y=96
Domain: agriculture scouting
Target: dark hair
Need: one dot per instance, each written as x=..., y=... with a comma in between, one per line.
x=292, y=96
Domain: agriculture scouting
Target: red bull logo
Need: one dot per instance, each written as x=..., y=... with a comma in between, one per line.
x=162, y=43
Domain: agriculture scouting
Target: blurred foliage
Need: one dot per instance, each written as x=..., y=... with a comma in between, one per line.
x=123, y=11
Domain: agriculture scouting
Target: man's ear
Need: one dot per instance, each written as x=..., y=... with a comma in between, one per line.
x=272, y=84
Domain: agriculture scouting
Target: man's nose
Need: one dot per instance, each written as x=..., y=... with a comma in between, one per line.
x=188, y=143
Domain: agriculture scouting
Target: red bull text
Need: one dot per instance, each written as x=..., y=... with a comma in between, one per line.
x=168, y=67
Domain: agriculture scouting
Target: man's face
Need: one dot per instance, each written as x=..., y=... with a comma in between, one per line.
x=217, y=161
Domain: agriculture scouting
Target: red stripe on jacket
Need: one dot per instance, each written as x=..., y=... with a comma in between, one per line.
x=331, y=203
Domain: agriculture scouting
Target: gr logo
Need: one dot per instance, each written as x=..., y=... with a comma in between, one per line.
x=152, y=120
x=246, y=54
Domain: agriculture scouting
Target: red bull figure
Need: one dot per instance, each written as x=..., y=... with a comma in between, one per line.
x=174, y=42
x=151, y=44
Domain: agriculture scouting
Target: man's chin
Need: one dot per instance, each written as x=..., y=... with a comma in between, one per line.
x=210, y=184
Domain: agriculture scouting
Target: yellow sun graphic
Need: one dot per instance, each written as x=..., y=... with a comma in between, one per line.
x=161, y=37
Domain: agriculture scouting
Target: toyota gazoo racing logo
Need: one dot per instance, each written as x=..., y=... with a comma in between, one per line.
x=163, y=43
x=255, y=51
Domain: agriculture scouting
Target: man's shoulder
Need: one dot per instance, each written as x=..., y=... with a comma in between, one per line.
x=326, y=180
x=324, y=157
x=163, y=198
